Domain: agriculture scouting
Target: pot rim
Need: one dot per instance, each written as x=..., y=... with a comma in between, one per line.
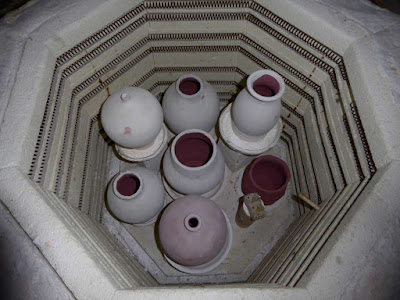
x=275, y=159
x=255, y=75
x=209, y=162
x=187, y=222
x=119, y=176
x=178, y=82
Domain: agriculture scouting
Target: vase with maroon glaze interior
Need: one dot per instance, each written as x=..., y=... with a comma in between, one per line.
x=195, y=234
x=257, y=108
x=268, y=176
x=190, y=103
x=193, y=164
x=136, y=196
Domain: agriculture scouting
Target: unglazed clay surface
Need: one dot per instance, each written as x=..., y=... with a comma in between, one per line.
x=257, y=108
x=192, y=230
x=136, y=196
x=190, y=103
x=132, y=117
x=238, y=149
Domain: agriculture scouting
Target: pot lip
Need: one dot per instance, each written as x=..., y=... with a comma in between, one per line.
x=178, y=82
x=118, y=176
x=187, y=222
x=276, y=159
x=209, y=162
x=255, y=75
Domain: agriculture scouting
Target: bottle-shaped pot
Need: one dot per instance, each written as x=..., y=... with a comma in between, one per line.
x=195, y=234
x=136, y=196
x=193, y=164
x=190, y=103
x=267, y=176
x=256, y=110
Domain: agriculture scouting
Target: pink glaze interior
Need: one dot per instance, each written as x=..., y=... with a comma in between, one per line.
x=189, y=86
x=128, y=185
x=193, y=149
x=266, y=86
x=269, y=175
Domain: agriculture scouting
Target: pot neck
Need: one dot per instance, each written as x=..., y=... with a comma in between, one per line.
x=190, y=87
x=266, y=85
x=192, y=223
x=192, y=151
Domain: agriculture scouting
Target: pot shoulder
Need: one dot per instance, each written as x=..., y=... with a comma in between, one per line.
x=200, y=112
x=254, y=117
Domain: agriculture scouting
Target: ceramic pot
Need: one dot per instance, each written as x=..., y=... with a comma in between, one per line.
x=190, y=103
x=193, y=164
x=132, y=117
x=193, y=231
x=256, y=110
x=268, y=176
x=136, y=196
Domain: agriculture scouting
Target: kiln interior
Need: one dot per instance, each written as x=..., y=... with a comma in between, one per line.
x=151, y=44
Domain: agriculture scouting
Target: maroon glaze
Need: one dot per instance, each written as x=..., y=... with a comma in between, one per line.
x=268, y=176
x=193, y=149
x=128, y=185
x=189, y=86
x=266, y=86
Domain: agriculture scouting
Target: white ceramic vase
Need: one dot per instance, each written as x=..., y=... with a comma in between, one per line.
x=257, y=108
x=132, y=117
x=136, y=196
x=190, y=103
x=194, y=165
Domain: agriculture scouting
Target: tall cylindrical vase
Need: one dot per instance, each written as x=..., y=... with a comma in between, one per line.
x=193, y=164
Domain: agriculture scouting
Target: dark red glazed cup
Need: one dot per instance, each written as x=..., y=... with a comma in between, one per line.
x=268, y=176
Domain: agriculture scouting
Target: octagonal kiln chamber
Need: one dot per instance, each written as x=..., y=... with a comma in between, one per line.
x=56, y=159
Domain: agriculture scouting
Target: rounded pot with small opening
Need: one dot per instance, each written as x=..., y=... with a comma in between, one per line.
x=257, y=108
x=193, y=164
x=268, y=176
x=190, y=103
x=132, y=117
x=136, y=196
x=195, y=234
